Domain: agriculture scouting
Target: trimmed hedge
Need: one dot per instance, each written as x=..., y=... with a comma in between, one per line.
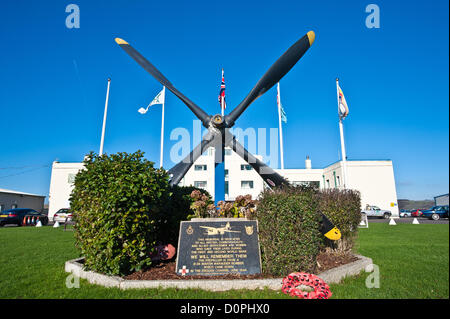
x=289, y=230
x=124, y=207
x=289, y=221
x=119, y=203
x=343, y=209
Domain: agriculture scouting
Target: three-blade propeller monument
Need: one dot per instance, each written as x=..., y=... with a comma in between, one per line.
x=218, y=126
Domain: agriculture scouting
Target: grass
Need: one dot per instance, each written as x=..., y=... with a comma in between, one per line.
x=413, y=262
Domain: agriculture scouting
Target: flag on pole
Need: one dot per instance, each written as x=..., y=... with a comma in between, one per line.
x=343, y=108
x=222, y=93
x=159, y=99
x=280, y=106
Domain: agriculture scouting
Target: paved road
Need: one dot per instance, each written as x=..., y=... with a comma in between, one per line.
x=409, y=220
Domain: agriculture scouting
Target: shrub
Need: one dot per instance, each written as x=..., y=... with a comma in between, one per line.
x=243, y=206
x=289, y=221
x=343, y=209
x=289, y=234
x=202, y=205
x=119, y=202
x=180, y=208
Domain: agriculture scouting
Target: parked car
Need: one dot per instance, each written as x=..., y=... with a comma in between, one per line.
x=416, y=212
x=16, y=216
x=375, y=211
x=62, y=215
x=436, y=212
x=404, y=213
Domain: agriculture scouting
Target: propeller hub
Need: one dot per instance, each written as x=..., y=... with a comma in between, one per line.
x=217, y=120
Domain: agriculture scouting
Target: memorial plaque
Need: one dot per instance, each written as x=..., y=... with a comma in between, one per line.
x=213, y=247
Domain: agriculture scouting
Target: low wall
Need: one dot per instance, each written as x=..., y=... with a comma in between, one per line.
x=334, y=275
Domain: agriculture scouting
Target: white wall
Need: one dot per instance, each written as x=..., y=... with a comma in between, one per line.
x=61, y=186
x=192, y=175
x=373, y=179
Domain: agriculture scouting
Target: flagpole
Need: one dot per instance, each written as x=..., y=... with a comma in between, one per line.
x=280, y=125
x=222, y=102
x=341, y=131
x=162, y=129
x=104, y=118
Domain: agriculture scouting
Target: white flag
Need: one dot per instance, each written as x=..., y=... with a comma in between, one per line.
x=342, y=107
x=159, y=99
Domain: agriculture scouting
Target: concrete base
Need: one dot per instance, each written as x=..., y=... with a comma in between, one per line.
x=334, y=275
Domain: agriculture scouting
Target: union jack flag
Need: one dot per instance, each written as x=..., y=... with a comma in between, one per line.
x=222, y=93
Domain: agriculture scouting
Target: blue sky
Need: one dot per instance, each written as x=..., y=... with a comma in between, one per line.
x=395, y=79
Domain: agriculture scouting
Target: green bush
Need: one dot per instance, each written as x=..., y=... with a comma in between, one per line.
x=289, y=220
x=180, y=208
x=119, y=202
x=343, y=209
x=289, y=230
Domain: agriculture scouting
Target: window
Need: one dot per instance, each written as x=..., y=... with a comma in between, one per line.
x=328, y=183
x=246, y=167
x=208, y=152
x=227, y=151
x=338, y=181
x=200, y=184
x=200, y=167
x=226, y=188
x=247, y=184
x=71, y=178
x=13, y=206
x=2, y=207
x=226, y=173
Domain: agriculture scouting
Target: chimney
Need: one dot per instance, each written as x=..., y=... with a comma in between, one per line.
x=307, y=162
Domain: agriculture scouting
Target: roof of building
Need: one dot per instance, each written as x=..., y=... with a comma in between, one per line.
x=441, y=195
x=361, y=160
x=9, y=191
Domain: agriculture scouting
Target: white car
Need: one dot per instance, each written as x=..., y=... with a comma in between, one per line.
x=62, y=215
x=375, y=211
x=404, y=213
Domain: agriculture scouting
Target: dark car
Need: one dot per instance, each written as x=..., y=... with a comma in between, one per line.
x=436, y=212
x=16, y=216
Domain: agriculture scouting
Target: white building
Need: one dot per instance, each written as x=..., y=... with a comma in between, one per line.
x=374, y=179
x=240, y=177
x=61, y=185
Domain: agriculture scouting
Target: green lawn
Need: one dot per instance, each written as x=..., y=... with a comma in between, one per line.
x=413, y=261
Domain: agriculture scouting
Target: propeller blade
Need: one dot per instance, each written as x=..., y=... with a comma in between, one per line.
x=150, y=68
x=271, y=177
x=273, y=75
x=178, y=171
